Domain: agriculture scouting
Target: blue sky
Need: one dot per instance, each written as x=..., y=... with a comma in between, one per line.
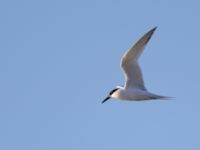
x=59, y=59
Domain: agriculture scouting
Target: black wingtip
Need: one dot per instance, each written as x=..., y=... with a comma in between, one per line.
x=149, y=34
x=155, y=27
x=152, y=30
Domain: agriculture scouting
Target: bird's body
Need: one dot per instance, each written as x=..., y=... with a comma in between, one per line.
x=134, y=94
x=134, y=88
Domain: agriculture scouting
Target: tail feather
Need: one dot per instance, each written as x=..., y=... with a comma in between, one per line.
x=160, y=97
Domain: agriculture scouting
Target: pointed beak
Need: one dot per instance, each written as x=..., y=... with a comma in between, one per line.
x=107, y=98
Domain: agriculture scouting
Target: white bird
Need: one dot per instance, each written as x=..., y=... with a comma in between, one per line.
x=134, y=88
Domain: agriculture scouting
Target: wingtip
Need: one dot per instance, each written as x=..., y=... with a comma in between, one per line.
x=154, y=28
x=149, y=34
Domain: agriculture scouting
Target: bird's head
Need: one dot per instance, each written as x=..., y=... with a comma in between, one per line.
x=110, y=94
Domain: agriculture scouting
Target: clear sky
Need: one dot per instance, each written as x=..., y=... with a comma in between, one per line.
x=59, y=59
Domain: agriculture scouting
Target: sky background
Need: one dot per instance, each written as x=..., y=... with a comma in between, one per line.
x=59, y=59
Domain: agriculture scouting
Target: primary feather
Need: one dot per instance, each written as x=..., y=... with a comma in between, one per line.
x=129, y=62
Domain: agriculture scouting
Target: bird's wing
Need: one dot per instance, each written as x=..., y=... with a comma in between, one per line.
x=129, y=64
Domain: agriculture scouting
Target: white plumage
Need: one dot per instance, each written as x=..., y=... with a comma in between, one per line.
x=134, y=88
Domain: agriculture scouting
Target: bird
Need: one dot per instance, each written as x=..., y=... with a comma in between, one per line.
x=134, y=88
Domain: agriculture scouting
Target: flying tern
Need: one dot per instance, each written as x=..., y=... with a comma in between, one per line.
x=134, y=88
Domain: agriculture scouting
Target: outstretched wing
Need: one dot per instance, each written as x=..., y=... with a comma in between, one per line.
x=129, y=64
